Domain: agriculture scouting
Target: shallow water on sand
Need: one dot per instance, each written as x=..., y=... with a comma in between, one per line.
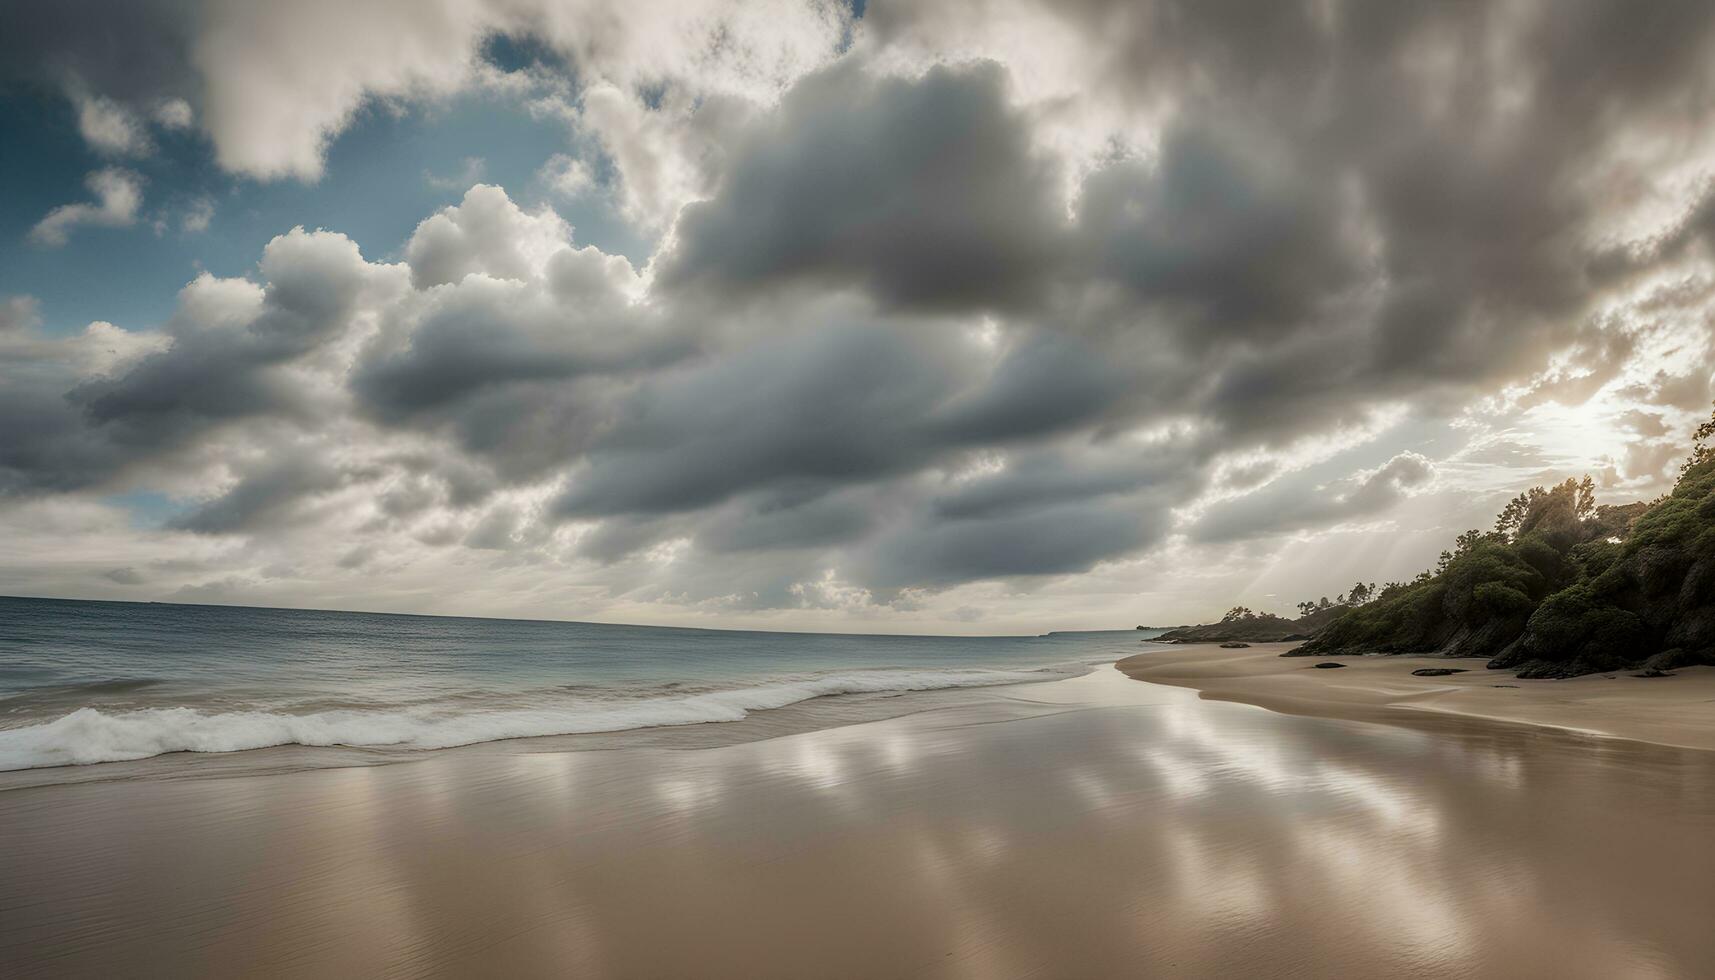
x=99, y=682
x=1090, y=827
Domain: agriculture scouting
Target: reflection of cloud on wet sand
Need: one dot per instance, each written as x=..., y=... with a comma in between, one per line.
x=1092, y=827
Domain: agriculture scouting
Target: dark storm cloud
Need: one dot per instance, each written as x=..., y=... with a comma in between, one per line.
x=1691, y=391
x=910, y=338
x=786, y=520
x=45, y=444
x=231, y=344
x=228, y=349
x=924, y=191
x=1223, y=238
x=1049, y=540
x=1352, y=205
x=843, y=400
x=487, y=337
x=520, y=341
x=835, y=404
x=1375, y=201
x=1032, y=480
x=135, y=49
x=623, y=536
x=1047, y=383
x=1298, y=504
x=1046, y=511
x=270, y=491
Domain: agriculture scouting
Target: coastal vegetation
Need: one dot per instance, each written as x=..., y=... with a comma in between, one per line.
x=1242, y=624
x=1560, y=586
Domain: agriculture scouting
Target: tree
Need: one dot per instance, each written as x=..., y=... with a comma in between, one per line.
x=1360, y=593
x=1323, y=603
x=1512, y=515
x=1306, y=607
x=1557, y=513
x=1701, y=449
x=1237, y=613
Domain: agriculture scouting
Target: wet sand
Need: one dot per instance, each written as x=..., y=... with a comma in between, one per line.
x=1678, y=710
x=1086, y=828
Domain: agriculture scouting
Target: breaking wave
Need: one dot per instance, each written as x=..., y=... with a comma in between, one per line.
x=88, y=735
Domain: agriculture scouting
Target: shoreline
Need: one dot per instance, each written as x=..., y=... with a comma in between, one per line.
x=1083, y=827
x=1676, y=711
x=812, y=714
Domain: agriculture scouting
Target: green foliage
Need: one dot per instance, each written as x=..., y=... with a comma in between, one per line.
x=1596, y=557
x=1499, y=599
x=1542, y=558
x=1688, y=514
x=1577, y=620
x=1357, y=596
x=1701, y=450
x=1555, y=513
x=1704, y=546
x=1401, y=623
x=1561, y=586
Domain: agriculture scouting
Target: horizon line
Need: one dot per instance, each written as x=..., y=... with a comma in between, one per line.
x=569, y=622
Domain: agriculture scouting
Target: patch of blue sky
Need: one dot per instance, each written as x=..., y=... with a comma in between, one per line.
x=384, y=174
x=147, y=508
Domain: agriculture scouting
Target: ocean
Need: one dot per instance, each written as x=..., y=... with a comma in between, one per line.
x=91, y=682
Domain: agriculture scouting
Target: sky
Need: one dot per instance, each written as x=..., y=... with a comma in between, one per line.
x=958, y=316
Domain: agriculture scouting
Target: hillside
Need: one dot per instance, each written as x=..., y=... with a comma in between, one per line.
x=1561, y=586
x=1243, y=626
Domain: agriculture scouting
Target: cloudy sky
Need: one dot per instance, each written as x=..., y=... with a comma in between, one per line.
x=947, y=316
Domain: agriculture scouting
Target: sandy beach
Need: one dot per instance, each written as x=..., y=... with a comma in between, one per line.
x=1082, y=828
x=1677, y=710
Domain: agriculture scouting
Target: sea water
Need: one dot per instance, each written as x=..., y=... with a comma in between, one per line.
x=87, y=682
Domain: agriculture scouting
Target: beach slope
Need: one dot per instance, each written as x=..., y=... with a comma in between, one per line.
x=1678, y=710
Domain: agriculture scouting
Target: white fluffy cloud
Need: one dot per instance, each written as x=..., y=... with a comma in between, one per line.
x=280, y=80
x=271, y=84
x=118, y=196
x=567, y=176
x=174, y=113
x=110, y=127
x=196, y=216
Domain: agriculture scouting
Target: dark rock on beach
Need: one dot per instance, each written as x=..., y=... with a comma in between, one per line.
x=1235, y=645
x=1437, y=671
x=1327, y=665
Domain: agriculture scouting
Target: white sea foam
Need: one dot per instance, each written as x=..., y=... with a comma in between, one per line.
x=88, y=735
